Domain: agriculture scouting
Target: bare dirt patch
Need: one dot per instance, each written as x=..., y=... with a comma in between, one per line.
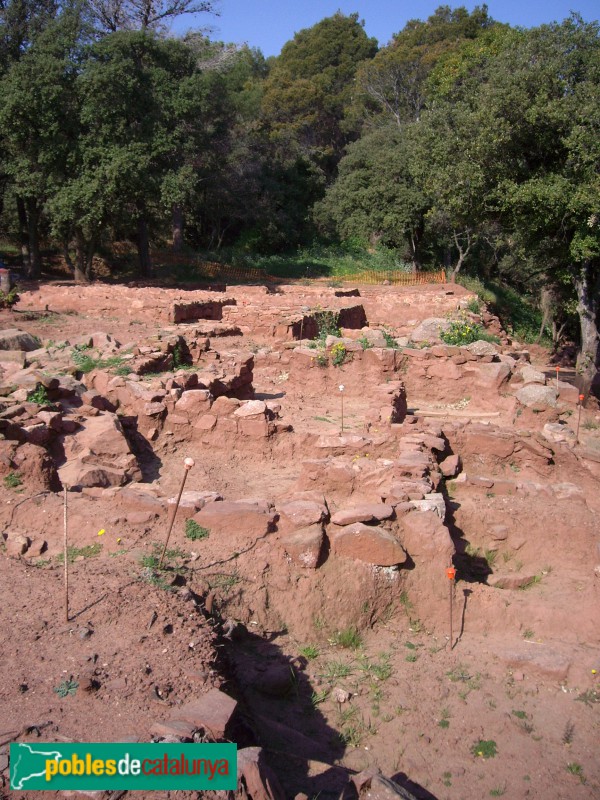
x=334, y=638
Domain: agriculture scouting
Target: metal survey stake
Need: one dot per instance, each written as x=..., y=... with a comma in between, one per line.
x=581, y=398
x=342, y=387
x=451, y=575
x=188, y=463
x=66, y=554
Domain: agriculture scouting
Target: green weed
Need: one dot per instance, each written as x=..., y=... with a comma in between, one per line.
x=194, y=531
x=310, y=652
x=39, y=395
x=338, y=354
x=88, y=551
x=348, y=638
x=389, y=340
x=576, y=769
x=66, y=688
x=336, y=670
x=12, y=480
x=484, y=748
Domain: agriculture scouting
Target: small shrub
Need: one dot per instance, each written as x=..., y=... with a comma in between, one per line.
x=327, y=323
x=194, y=531
x=9, y=299
x=484, y=748
x=321, y=360
x=338, y=354
x=389, y=340
x=365, y=343
x=474, y=305
x=39, y=395
x=12, y=480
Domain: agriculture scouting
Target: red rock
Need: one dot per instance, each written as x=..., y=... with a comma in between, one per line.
x=451, y=466
x=367, y=543
x=373, y=512
x=304, y=545
x=444, y=371
x=211, y=712
x=509, y=581
x=206, y=422
x=17, y=545
x=239, y=518
x=478, y=480
x=223, y=406
x=496, y=444
x=251, y=408
x=173, y=727
x=153, y=409
x=301, y=513
x=194, y=402
x=426, y=539
x=256, y=777
x=254, y=426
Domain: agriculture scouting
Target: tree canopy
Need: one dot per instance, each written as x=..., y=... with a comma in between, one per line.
x=462, y=142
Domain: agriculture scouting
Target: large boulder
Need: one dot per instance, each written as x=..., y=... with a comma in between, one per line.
x=426, y=539
x=367, y=543
x=537, y=397
x=98, y=454
x=304, y=546
x=14, y=339
x=429, y=330
x=242, y=517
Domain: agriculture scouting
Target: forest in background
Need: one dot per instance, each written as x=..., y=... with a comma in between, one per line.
x=463, y=143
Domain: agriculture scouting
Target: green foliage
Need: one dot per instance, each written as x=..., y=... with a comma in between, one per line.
x=327, y=323
x=390, y=340
x=87, y=551
x=194, y=531
x=338, y=354
x=12, y=480
x=348, y=638
x=576, y=769
x=310, y=652
x=39, y=395
x=365, y=343
x=474, y=305
x=463, y=332
x=484, y=748
x=9, y=299
x=66, y=688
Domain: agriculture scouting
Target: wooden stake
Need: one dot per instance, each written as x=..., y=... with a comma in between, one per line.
x=557, y=371
x=342, y=394
x=66, y=554
x=188, y=464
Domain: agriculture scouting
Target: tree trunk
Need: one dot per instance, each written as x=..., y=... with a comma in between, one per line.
x=81, y=269
x=35, y=260
x=587, y=285
x=177, y=228
x=23, y=234
x=463, y=252
x=143, y=247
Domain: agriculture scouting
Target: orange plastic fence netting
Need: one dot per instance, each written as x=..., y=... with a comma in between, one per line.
x=396, y=277
x=399, y=278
